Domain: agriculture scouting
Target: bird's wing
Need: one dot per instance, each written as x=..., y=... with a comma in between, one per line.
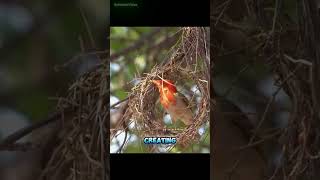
x=183, y=98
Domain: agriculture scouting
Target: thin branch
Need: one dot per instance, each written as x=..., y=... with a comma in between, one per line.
x=138, y=44
x=119, y=102
x=275, y=15
x=11, y=139
x=85, y=20
x=168, y=41
x=222, y=12
x=302, y=61
x=124, y=142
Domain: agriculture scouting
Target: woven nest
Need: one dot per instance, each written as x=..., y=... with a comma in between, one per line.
x=82, y=146
x=189, y=62
x=293, y=56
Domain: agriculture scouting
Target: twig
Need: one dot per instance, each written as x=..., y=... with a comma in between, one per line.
x=138, y=44
x=275, y=15
x=124, y=142
x=119, y=102
x=164, y=43
x=78, y=57
x=26, y=130
x=233, y=25
x=222, y=12
x=264, y=115
x=85, y=152
x=259, y=141
x=85, y=20
x=302, y=61
x=226, y=93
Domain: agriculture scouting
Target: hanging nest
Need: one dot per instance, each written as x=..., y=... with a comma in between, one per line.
x=189, y=61
x=81, y=145
x=291, y=51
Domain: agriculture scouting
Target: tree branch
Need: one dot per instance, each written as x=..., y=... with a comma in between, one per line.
x=11, y=139
x=138, y=44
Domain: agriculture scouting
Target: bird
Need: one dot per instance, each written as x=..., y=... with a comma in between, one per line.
x=174, y=102
x=228, y=162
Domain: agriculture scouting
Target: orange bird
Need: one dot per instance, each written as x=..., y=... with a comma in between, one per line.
x=175, y=103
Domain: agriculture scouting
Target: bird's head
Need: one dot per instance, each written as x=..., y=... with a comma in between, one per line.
x=164, y=85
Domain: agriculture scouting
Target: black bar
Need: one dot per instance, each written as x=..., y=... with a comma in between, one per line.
x=159, y=13
x=161, y=166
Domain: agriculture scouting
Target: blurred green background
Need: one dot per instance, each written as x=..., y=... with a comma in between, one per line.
x=36, y=36
x=36, y=39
